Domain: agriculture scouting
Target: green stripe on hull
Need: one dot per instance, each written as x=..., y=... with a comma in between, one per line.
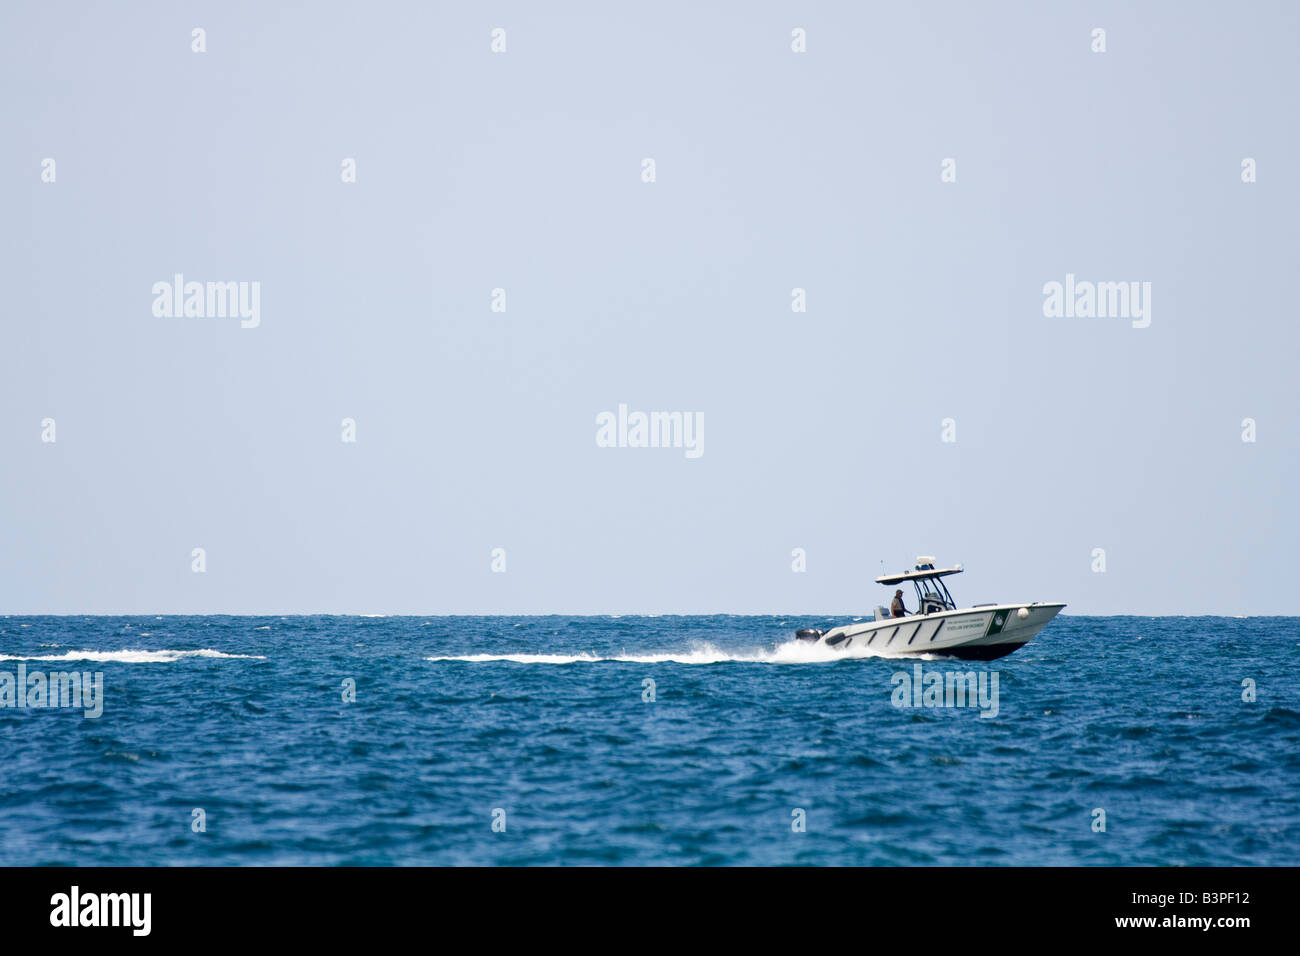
x=997, y=622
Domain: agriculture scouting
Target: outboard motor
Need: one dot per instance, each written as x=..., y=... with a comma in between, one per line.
x=808, y=634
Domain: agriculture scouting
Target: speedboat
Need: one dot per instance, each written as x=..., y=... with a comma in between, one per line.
x=982, y=632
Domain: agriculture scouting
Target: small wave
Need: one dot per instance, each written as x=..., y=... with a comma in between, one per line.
x=133, y=657
x=524, y=658
x=792, y=652
x=1282, y=715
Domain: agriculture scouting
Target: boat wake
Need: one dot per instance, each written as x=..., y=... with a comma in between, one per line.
x=133, y=657
x=791, y=652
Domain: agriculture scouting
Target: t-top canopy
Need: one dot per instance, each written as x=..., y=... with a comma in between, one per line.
x=924, y=569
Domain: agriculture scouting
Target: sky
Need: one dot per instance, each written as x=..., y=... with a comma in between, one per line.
x=922, y=172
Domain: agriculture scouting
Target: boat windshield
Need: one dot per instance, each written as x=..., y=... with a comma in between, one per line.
x=932, y=595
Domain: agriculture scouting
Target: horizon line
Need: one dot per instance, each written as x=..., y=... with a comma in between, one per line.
x=648, y=614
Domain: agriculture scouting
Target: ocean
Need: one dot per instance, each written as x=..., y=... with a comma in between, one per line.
x=697, y=740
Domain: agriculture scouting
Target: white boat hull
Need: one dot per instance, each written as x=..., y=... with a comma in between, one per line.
x=979, y=633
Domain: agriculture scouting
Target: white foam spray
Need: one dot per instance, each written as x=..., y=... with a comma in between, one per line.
x=133, y=657
x=791, y=652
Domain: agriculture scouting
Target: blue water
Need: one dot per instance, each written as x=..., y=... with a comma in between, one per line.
x=1140, y=717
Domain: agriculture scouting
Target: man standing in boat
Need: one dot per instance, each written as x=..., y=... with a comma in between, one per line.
x=896, y=608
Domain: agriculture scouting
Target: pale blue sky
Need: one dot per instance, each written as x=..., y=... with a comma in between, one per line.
x=522, y=170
